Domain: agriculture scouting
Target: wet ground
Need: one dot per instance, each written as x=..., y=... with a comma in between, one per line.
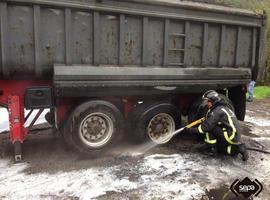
x=176, y=170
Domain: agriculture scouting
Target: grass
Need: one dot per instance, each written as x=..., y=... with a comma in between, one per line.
x=261, y=92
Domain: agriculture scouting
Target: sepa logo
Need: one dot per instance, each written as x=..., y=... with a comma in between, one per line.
x=246, y=187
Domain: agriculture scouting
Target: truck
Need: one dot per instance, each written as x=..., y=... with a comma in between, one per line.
x=107, y=69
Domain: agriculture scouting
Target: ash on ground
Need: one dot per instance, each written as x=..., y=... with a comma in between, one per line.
x=176, y=170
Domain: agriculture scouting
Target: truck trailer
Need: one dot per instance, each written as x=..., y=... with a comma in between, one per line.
x=108, y=69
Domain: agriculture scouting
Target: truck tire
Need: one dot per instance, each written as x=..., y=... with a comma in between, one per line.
x=153, y=121
x=93, y=127
x=198, y=108
x=238, y=97
x=66, y=135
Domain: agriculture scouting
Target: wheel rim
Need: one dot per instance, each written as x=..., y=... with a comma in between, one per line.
x=96, y=129
x=160, y=127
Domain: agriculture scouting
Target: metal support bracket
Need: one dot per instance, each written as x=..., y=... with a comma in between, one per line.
x=17, y=151
x=16, y=122
x=18, y=132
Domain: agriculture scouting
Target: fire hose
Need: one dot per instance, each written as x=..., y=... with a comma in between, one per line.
x=195, y=123
x=171, y=135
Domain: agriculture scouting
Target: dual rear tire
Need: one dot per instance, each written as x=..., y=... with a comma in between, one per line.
x=153, y=121
x=198, y=108
x=94, y=126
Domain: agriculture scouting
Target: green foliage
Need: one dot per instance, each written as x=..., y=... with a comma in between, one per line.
x=261, y=92
x=257, y=6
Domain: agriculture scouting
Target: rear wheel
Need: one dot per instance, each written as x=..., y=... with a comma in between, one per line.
x=93, y=127
x=153, y=121
x=198, y=108
x=96, y=129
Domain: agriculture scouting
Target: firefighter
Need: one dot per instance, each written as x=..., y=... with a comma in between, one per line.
x=220, y=128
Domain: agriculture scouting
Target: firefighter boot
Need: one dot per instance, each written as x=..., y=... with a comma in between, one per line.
x=242, y=149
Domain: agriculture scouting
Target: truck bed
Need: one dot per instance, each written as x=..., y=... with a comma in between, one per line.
x=37, y=34
x=76, y=81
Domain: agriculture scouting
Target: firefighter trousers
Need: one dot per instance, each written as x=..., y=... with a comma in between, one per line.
x=225, y=143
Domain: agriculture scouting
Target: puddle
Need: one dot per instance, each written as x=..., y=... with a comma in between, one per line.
x=257, y=121
x=247, y=130
x=250, y=134
x=253, y=130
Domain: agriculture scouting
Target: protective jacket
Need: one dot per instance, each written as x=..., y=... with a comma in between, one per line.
x=221, y=127
x=222, y=118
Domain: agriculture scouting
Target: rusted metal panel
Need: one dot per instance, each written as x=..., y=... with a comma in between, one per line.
x=155, y=42
x=109, y=42
x=52, y=31
x=205, y=44
x=121, y=39
x=245, y=47
x=82, y=37
x=176, y=58
x=166, y=42
x=222, y=45
x=81, y=81
x=145, y=38
x=253, y=51
x=36, y=34
x=261, y=56
x=213, y=44
x=20, y=42
x=133, y=40
x=187, y=43
x=230, y=46
x=37, y=39
x=237, y=51
x=131, y=74
x=180, y=11
x=194, y=55
x=68, y=47
x=4, y=39
x=97, y=38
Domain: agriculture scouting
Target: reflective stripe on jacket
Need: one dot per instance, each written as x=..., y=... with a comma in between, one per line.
x=224, y=118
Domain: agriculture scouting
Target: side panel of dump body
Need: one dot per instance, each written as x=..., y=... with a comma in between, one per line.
x=35, y=35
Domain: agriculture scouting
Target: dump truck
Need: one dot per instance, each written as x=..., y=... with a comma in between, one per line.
x=107, y=69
